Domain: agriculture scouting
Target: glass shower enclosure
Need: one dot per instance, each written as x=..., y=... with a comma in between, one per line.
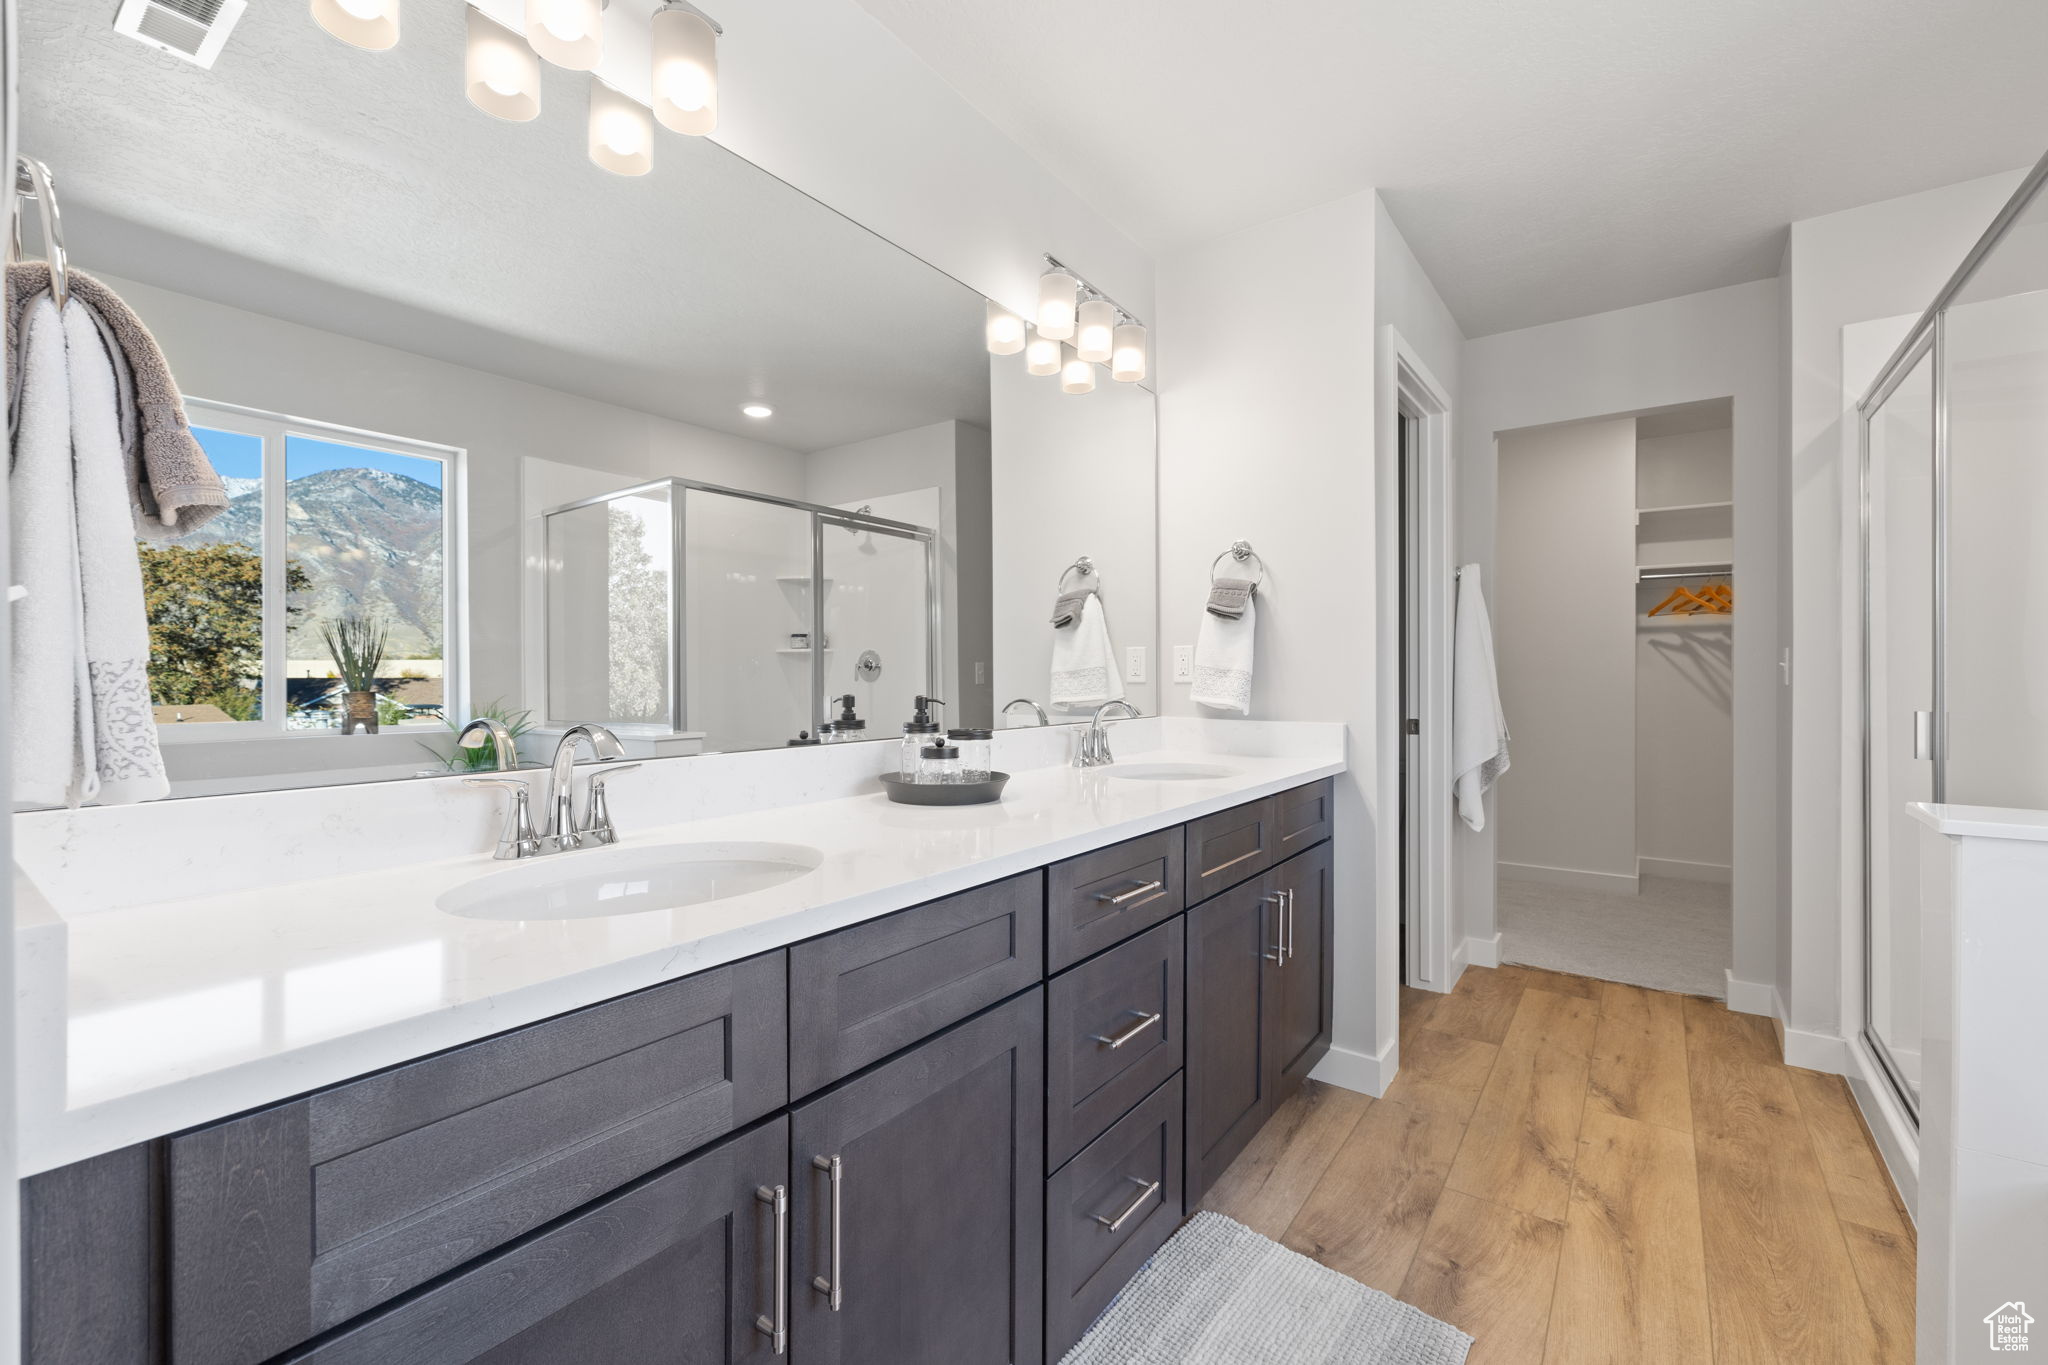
x=1953, y=435
x=678, y=608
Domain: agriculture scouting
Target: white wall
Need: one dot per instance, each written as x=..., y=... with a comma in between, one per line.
x=1716, y=344
x=1563, y=608
x=1071, y=475
x=1266, y=434
x=1878, y=261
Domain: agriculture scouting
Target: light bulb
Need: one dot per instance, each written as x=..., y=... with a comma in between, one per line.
x=1056, y=297
x=621, y=133
x=1004, y=331
x=500, y=71
x=685, y=69
x=758, y=410
x=368, y=24
x=1042, y=356
x=1127, y=356
x=569, y=33
x=1093, y=326
x=1076, y=375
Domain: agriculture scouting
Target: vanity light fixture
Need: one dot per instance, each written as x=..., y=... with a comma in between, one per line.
x=758, y=410
x=371, y=24
x=569, y=33
x=1128, y=353
x=1042, y=356
x=1094, y=324
x=1077, y=375
x=501, y=71
x=685, y=77
x=1004, y=330
x=1058, y=292
x=621, y=131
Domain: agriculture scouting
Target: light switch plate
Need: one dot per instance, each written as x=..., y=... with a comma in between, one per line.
x=1134, y=663
x=1184, y=663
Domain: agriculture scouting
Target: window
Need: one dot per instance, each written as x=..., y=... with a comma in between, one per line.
x=322, y=523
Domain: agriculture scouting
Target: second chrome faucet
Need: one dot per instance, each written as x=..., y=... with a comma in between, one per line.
x=562, y=832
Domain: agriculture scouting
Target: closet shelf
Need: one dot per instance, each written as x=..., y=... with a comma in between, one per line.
x=1684, y=507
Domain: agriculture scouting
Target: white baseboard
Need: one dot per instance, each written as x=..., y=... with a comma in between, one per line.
x=1679, y=870
x=1816, y=1052
x=1615, y=883
x=1751, y=997
x=1359, y=1071
x=1481, y=952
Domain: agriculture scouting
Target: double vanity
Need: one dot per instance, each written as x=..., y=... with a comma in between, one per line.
x=829, y=1079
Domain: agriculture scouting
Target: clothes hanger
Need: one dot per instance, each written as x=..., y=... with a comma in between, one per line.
x=1680, y=600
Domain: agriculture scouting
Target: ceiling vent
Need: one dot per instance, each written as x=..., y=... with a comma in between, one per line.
x=192, y=29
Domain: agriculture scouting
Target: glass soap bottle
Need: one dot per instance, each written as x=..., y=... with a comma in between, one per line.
x=974, y=746
x=918, y=731
x=938, y=763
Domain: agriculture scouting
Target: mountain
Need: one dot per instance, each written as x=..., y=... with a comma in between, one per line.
x=368, y=540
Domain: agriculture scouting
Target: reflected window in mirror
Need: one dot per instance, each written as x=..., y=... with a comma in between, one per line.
x=323, y=525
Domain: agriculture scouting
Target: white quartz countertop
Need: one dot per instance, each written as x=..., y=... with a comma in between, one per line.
x=144, y=1019
x=1982, y=822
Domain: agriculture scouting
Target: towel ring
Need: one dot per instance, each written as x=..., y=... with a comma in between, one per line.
x=32, y=181
x=1083, y=566
x=1240, y=550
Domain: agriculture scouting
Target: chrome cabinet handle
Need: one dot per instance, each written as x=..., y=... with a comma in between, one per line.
x=1289, y=922
x=776, y=1328
x=834, y=1287
x=1212, y=871
x=1147, y=889
x=1116, y=1224
x=1145, y=1021
x=1278, y=952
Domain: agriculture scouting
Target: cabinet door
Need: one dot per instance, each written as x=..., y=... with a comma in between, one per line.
x=679, y=1269
x=1304, y=982
x=1232, y=1012
x=929, y=1251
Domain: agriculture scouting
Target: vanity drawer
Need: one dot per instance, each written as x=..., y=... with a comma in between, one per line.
x=867, y=991
x=1090, y=1082
x=1132, y=1172
x=1100, y=899
x=1303, y=816
x=1230, y=846
x=296, y=1218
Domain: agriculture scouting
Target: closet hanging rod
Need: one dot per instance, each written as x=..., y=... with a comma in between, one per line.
x=1704, y=571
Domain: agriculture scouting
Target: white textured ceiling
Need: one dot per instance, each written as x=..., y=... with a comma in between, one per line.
x=1544, y=160
x=362, y=193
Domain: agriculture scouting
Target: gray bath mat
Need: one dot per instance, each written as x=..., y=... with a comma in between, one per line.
x=1220, y=1294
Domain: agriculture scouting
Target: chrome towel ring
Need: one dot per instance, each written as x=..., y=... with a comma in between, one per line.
x=1083, y=566
x=1240, y=551
x=32, y=181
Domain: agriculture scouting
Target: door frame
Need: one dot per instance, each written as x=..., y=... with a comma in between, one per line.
x=1409, y=391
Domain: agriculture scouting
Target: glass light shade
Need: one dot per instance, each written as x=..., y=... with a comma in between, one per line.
x=621, y=131
x=568, y=33
x=1042, y=356
x=1005, y=330
x=1057, y=295
x=500, y=70
x=371, y=24
x=1127, y=355
x=1093, y=327
x=685, y=82
x=1076, y=375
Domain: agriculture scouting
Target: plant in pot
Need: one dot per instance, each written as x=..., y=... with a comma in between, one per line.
x=356, y=644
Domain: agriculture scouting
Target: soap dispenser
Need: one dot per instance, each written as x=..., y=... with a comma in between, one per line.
x=847, y=727
x=918, y=731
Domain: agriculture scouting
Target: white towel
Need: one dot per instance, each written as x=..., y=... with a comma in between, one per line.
x=1084, y=671
x=1479, y=730
x=83, y=728
x=1223, y=659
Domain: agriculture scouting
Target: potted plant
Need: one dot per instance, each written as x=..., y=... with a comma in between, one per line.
x=356, y=643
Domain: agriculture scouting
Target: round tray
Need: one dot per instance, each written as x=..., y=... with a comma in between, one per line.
x=945, y=793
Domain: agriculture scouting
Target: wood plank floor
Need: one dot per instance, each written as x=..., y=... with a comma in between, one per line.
x=1579, y=1172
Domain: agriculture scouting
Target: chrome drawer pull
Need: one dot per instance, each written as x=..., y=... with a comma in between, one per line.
x=833, y=1288
x=1116, y=1224
x=1147, y=889
x=1145, y=1021
x=1232, y=863
x=776, y=1329
x=1278, y=952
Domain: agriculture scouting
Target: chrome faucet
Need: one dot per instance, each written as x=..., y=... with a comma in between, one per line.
x=1043, y=719
x=472, y=736
x=520, y=840
x=1094, y=750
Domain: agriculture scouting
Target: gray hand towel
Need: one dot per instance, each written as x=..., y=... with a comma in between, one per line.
x=1228, y=597
x=176, y=490
x=1066, y=609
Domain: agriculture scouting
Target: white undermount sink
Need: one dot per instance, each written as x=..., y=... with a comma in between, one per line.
x=1170, y=772
x=590, y=883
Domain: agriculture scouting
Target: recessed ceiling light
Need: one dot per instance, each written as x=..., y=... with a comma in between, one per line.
x=758, y=410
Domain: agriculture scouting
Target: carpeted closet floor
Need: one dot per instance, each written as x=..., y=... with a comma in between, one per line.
x=1670, y=936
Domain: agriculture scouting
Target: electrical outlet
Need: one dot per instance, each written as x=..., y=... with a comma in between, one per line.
x=1184, y=663
x=1134, y=664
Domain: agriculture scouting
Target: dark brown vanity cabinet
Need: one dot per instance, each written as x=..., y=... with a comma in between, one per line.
x=1305, y=980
